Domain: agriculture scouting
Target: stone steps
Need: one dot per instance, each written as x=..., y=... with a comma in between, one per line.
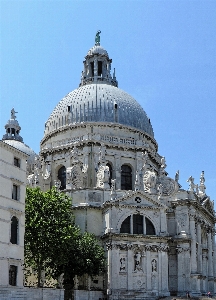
x=185, y=298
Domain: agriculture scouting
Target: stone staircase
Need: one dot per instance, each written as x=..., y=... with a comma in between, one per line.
x=185, y=298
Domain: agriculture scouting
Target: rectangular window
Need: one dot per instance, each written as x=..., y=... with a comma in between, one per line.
x=13, y=275
x=16, y=162
x=15, y=192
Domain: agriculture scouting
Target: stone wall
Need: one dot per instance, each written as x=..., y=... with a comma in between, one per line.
x=15, y=293
x=90, y=295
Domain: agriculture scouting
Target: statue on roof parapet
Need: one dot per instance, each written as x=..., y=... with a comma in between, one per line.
x=13, y=112
x=97, y=38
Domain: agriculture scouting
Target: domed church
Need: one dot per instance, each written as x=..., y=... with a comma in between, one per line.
x=99, y=148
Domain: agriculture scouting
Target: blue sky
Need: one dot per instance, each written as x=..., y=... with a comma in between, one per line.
x=164, y=53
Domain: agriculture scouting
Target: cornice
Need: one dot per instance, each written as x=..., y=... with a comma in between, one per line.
x=98, y=124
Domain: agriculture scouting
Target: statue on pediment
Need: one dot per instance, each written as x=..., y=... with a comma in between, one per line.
x=149, y=181
x=103, y=175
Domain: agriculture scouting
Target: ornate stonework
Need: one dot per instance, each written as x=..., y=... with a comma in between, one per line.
x=155, y=233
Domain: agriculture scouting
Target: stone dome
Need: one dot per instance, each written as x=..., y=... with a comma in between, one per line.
x=98, y=98
x=99, y=103
x=12, y=137
x=97, y=50
x=24, y=148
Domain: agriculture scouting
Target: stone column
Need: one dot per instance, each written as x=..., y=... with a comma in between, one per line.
x=109, y=268
x=118, y=171
x=183, y=268
x=148, y=267
x=164, y=273
x=199, y=252
x=210, y=264
x=130, y=268
x=95, y=69
x=195, y=279
x=193, y=243
x=115, y=267
x=204, y=269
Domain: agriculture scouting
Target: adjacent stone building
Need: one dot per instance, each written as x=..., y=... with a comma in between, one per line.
x=12, y=214
x=17, y=161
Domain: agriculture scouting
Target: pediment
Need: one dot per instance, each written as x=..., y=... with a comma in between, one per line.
x=139, y=198
x=208, y=204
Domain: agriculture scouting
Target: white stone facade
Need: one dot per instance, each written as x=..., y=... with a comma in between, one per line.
x=99, y=148
x=12, y=214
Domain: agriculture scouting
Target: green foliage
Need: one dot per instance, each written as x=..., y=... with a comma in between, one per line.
x=86, y=258
x=52, y=240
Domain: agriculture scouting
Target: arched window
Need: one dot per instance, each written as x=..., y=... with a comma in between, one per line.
x=62, y=177
x=149, y=227
x=110, y=171
x=125, y=227
x=137, y=224
x=126, y=177
x=14, y=230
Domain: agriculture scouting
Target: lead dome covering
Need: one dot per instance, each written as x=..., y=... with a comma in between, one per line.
x=98, y=99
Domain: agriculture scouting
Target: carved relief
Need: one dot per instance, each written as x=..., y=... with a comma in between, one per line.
x=103, y=174
x=47, y=172
x=154, y=265
x=74, y=177
x=169, y=186
x=137, y=261
x=122, y=264
x=149, y=181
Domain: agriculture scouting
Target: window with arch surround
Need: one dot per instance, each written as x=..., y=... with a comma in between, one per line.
x=62, y=177
x=126, y=177
x=14, y=230
x=137, y=224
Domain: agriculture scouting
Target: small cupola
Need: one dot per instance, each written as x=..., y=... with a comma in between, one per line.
x=12, y=128
x=97, y=66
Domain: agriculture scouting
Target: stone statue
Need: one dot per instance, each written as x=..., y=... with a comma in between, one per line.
x=43, y=278
x=74, y=176
x=137, y=258
x=74, y=154
x=76, y=282
x=13, y=112
x=202, y=186
x=61, y=280
x=191, y=183
x=102, y=153
x=177, y=176
x=122, y=264
x=163, y=162
x=103, y=175
x=137, y=181
x=149, y=181
x=154, y=265
x=113, y=185
x=57, y=184
x=47, y=171
x=97, y=38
